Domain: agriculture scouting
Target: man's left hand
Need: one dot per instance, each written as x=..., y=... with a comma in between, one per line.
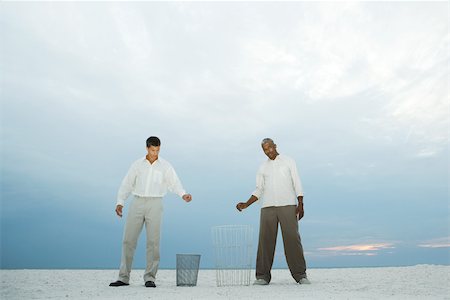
x=299, y=211
x=187, y=197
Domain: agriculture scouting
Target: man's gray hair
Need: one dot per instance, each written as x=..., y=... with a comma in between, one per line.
x=267, y=140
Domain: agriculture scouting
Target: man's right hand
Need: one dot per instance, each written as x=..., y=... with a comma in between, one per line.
x=119, y=210
x=241, y=205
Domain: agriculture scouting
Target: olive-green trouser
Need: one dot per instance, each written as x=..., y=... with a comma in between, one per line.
x=269, y=219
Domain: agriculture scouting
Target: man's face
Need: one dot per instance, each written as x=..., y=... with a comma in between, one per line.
x=270, y=149
x=153, y=152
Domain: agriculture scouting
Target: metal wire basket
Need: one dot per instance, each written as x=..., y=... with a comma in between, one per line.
x=187, y=269
x=233, y=254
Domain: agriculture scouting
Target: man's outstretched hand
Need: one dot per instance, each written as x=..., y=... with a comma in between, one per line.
x=241, y=205
x=187, y=197
x=119, y=210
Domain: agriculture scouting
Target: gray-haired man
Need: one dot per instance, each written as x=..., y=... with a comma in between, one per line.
x=278, y=185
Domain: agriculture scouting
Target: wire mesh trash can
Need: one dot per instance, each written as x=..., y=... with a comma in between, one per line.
x=233, y=254
x=187, y=269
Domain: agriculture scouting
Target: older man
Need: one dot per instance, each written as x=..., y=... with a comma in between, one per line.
x=279, y=188
x=148, y=179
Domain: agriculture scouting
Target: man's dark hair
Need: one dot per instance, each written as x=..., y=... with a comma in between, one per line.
x=153, y=141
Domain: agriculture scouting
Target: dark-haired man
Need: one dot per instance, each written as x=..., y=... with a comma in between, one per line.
x=278, y=186
x=148, y=179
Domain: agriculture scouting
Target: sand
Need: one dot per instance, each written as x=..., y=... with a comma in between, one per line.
x=414, y=282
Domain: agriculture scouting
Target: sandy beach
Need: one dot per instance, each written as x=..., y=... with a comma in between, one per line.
x=414, y=282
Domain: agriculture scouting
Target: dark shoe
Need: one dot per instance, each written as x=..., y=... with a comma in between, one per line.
x=150, y=284
x=118, y=283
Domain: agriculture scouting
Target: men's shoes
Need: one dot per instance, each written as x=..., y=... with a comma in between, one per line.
x=121, y=283
x=260, y=282
x=118, y=283
x=304, y=280
x=150, y=284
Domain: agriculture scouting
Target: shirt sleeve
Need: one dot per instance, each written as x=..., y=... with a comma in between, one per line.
x=259, y=184
x=173, y=182
x=296, y=179
x=127, y=185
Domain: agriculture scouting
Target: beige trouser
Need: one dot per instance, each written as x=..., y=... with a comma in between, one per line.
x=270, y=217
x=148, y=211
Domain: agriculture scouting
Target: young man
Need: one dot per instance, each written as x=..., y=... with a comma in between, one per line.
x=279, y=187
x=148, y=179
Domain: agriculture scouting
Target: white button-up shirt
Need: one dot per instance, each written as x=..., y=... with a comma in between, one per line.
x=149, y=180
x=278, y=182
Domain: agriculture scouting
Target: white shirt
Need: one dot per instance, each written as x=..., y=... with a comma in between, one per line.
x=278, y=183
x=149, y=180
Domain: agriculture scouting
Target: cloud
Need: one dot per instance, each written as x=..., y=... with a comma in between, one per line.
x=133, y=32
x=355, y=250
x=360, y=247
x=436, y=243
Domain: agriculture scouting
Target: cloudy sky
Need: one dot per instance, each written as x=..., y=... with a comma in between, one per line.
x=357, y=93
